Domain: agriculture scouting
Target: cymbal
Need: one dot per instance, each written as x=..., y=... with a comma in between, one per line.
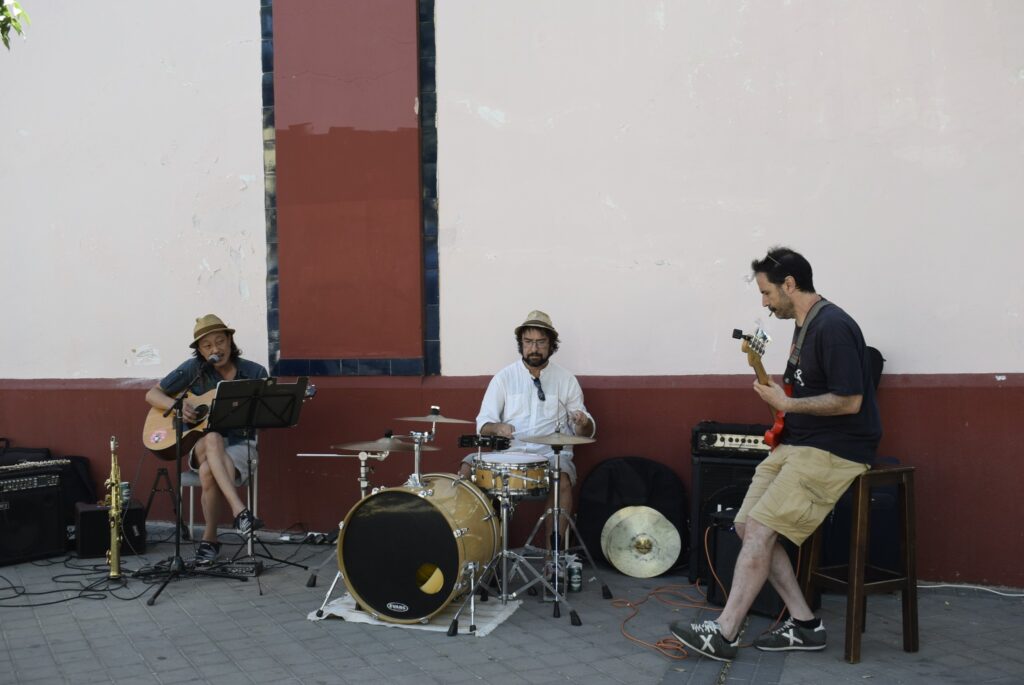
x=640, y=542
x=384, y=445
x=560, y=439
x=432, y=418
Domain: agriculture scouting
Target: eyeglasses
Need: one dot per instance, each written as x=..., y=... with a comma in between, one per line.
x=540, y=390
x=540, y=343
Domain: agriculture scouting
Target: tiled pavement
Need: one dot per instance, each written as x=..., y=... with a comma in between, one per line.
x=226, y=631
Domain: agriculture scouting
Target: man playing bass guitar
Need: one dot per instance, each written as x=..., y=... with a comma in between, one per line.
x=831, y=433
x=219, y=459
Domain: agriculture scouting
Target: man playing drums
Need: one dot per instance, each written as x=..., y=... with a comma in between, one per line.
x=534, y=396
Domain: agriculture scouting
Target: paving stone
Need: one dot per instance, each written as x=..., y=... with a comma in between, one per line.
x=235, y=635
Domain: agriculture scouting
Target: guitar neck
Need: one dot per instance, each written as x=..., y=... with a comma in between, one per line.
x=762, y=376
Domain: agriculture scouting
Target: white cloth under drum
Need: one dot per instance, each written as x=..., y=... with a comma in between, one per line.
x=489, y=615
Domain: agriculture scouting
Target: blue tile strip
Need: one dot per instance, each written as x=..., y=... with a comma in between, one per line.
x=430, y=362
x=428, y=156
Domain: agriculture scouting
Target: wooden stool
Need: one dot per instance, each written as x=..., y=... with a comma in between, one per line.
x=858, y=578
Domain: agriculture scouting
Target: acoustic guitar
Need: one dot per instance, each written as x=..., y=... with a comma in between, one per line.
x=753, y=345
x=158, y=434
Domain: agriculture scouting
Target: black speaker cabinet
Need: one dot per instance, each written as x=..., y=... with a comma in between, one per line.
x=719, y=483
x=725, y=545
x=92, y=530
x=31, y=515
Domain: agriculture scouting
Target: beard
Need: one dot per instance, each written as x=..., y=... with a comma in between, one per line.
x=785, y=310
x=535, y=359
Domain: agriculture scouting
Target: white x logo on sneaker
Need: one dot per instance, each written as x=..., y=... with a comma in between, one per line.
x=791, y=636
x=706, y=639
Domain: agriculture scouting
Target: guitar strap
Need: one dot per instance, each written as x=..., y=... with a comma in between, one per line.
x=794, y=355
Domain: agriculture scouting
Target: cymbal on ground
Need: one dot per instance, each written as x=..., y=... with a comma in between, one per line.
x=640, y=542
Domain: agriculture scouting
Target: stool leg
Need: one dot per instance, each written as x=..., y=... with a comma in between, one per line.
x=810, y=558
x=855, y=579
x=909, y=594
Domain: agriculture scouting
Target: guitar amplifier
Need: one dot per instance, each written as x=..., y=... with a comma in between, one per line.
x=724, y=458
x=31, y=519
x=724, y=548
x=92, y=530
x=743, y=440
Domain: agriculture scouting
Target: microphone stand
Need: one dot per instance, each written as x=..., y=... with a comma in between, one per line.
x=176, y=565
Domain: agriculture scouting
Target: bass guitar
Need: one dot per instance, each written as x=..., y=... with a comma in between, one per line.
x=753, y=345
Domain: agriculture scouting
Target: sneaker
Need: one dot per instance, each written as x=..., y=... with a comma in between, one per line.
x=207, y=553
x=246, y=523
x=790, y=637
x=706, y=638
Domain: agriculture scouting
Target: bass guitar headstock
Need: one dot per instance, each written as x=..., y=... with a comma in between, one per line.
x=753, y=344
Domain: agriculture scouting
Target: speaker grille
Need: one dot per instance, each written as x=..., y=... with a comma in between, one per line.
x=31, y=519
x=718, y=483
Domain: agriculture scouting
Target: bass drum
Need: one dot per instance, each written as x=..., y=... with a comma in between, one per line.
x=402, y=551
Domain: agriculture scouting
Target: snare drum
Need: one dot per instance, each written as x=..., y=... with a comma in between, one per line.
x=525, y=474
x=404, y=552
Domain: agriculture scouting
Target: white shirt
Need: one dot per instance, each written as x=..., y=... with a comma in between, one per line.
x=511, y=397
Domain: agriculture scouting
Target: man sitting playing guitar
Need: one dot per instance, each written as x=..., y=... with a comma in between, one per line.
x=218, y=458
x=830, y=437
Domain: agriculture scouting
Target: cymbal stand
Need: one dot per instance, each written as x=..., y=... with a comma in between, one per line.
x=418, y=440
x=521, y=566
x=558, y=514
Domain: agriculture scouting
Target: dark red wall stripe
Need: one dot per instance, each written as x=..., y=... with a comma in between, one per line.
x=958, y=430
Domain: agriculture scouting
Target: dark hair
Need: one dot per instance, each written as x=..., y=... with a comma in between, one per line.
x=235, y=352
x=552, y=338
x=781, y=262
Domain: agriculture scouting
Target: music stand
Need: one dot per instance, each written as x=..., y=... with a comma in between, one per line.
x=251, y=404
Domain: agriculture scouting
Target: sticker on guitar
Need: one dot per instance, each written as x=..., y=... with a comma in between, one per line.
x=754, y=345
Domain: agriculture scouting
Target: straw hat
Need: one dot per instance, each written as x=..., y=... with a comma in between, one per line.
x=537, y=319
x=205, y=325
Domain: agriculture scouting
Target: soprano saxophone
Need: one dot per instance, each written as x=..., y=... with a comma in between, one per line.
x=116, y=512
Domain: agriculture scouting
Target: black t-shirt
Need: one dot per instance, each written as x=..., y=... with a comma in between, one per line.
x=833, y=359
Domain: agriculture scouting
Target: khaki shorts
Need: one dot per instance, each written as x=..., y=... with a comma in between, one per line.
x=795, y=488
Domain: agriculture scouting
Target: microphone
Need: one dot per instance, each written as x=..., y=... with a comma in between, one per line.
x=213, y=359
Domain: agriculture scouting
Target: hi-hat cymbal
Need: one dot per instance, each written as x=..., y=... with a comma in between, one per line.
x=640, y=542
x=432, y=418
x=384, y=445
x=560, y=439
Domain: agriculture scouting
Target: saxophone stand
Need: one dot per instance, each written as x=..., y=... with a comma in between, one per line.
x=557, y=441
x=175, y=565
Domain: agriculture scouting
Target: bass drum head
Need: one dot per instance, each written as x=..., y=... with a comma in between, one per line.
x=399, y=556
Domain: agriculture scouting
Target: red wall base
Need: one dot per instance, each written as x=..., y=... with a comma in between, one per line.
x=957, y=430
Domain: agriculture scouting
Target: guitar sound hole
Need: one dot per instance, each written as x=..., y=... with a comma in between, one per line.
x=201, y=411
